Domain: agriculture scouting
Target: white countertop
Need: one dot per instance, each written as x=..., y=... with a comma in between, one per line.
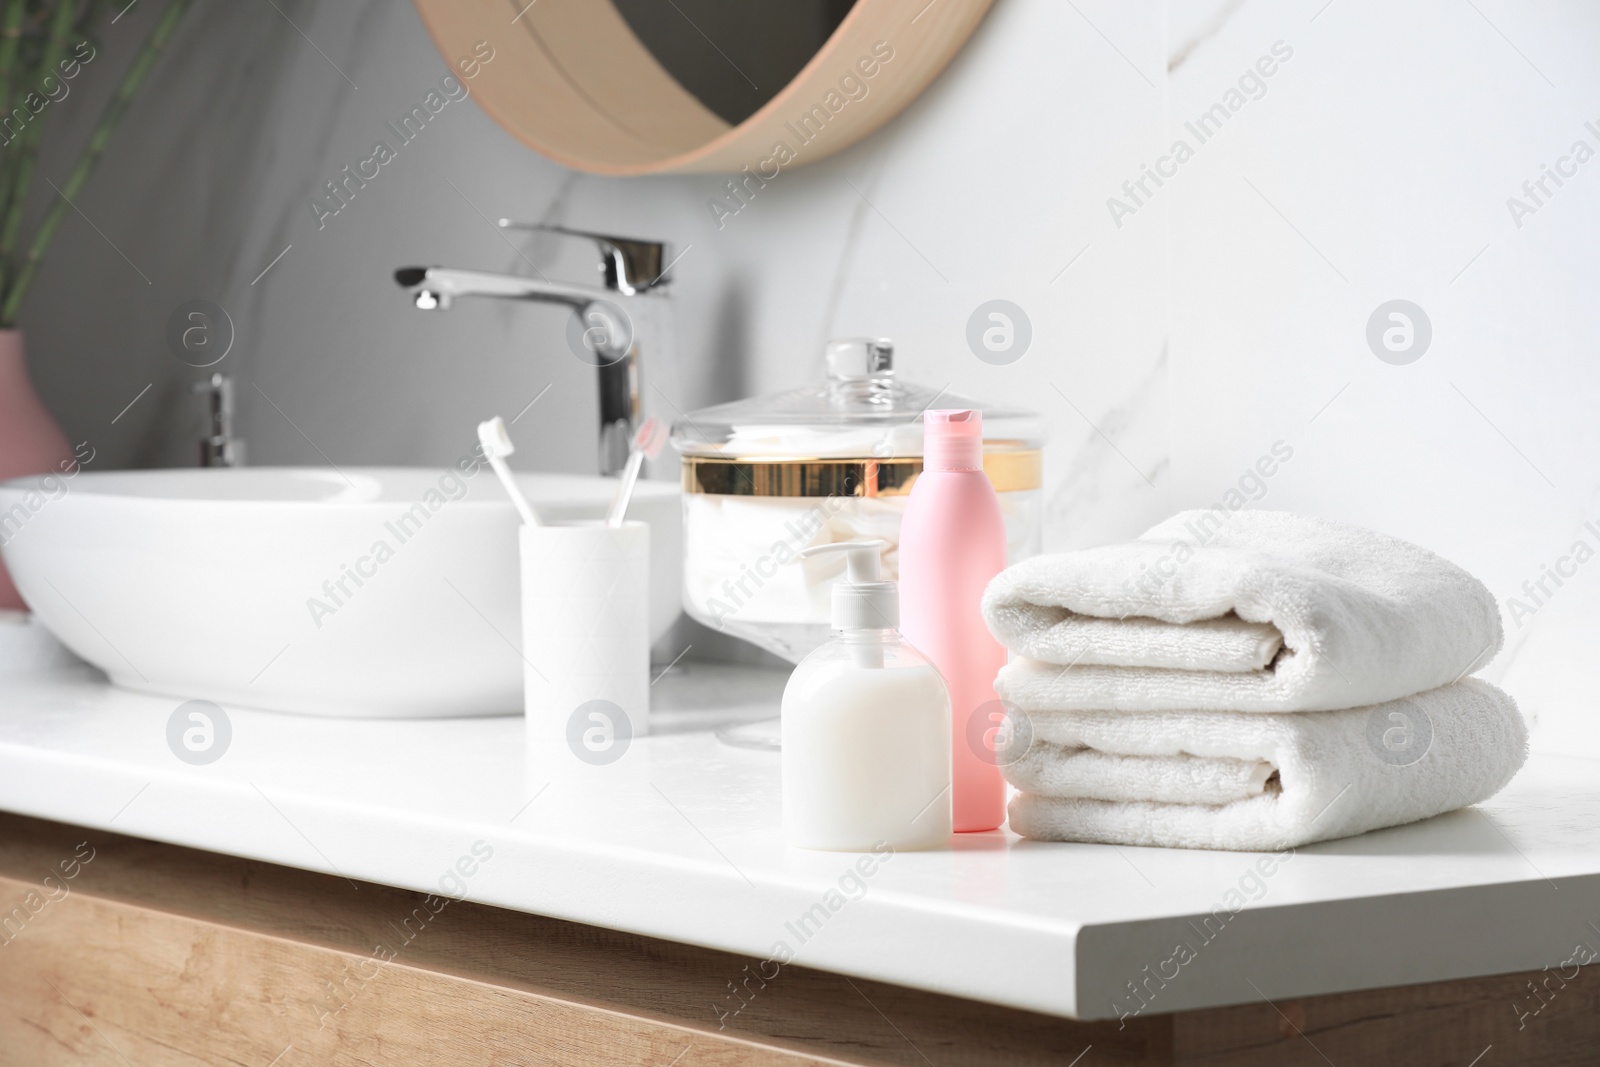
x=680, y=839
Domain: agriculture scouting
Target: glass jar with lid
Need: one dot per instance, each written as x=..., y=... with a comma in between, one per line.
x=767, y=477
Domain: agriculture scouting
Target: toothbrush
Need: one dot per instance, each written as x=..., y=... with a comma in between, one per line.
x=647, y=443
x=497, y=446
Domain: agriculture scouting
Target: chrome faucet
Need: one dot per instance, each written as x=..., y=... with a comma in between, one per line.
x=607, y=330
x=219, y=447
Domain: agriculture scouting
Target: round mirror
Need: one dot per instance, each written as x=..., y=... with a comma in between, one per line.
x=674, y=86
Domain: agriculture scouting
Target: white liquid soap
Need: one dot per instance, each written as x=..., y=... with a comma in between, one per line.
x=866, y=728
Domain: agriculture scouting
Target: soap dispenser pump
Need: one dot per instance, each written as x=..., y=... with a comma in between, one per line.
x=866, y=726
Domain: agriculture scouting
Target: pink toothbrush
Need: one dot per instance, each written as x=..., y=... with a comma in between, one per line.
x=648, y=441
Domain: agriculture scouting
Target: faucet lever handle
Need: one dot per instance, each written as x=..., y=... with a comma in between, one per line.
x=631, y=265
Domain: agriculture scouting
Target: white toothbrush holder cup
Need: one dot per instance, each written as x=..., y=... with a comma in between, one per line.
x=585, y=638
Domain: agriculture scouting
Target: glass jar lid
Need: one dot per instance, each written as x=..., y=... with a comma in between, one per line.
x=860, y=411
x=858, y=433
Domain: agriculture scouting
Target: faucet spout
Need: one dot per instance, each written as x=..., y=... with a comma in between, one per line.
x=436, y=288
x=602, y=332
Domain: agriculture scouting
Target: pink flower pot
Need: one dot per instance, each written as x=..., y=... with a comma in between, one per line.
x=30, y=440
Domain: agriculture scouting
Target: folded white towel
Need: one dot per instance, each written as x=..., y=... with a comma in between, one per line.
x=1253, y=781
x=1255, y=611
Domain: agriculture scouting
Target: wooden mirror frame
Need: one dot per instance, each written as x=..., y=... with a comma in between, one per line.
x=569, y=79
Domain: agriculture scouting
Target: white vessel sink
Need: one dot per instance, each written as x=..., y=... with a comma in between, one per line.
x=381, y=592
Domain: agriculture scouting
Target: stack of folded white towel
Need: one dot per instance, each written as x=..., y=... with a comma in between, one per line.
x=1257, y=680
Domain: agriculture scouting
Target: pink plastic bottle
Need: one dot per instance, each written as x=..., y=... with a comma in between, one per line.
x=952, y=542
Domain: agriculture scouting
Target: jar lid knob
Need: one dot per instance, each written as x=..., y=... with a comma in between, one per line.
x=855, y=358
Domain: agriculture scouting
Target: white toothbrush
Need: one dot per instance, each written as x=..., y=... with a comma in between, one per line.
x=647, y=443
x=497, y=446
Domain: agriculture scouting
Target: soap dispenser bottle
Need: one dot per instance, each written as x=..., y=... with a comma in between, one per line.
x=866, y=727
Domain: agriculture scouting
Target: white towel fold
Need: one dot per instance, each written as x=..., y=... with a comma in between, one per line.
x=1253, y=611
x=1254, y=781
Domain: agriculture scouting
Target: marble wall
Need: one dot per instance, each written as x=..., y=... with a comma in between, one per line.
x=1385, y=160
x=1189, y=308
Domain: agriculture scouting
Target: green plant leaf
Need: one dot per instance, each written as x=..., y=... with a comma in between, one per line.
x=21, y=278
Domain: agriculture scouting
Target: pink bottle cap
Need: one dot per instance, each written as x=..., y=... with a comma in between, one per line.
x=952, y=440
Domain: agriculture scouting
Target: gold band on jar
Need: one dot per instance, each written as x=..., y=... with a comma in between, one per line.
x=1009, y=470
